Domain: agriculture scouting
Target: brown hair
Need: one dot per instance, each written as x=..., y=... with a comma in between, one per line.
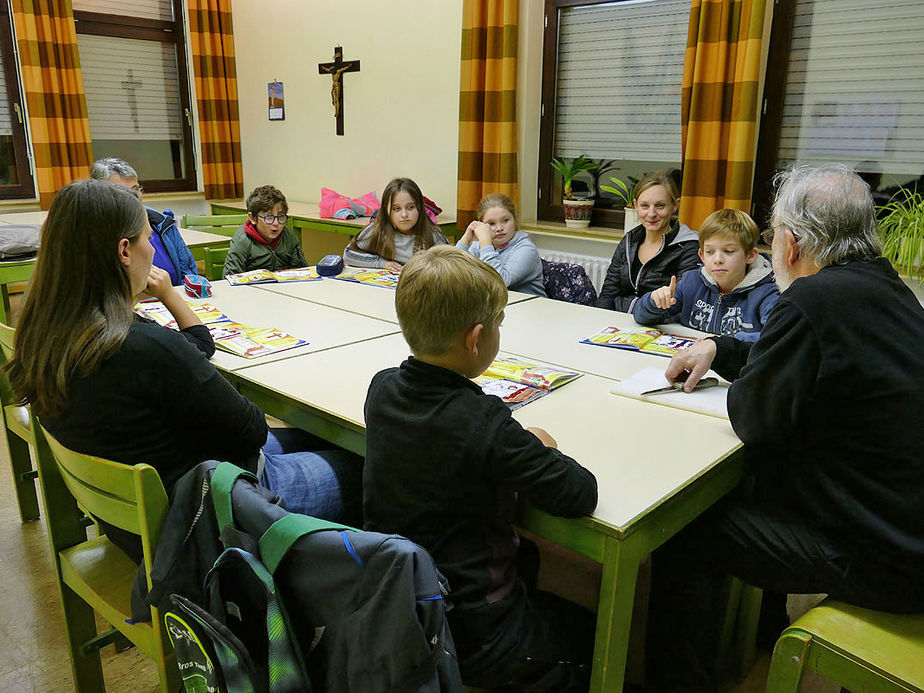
x=264, y=198
x=78, y=307
x=649, y=180
x=382, y=240
x=731, y=222
x=444, y=291
x=496, y=200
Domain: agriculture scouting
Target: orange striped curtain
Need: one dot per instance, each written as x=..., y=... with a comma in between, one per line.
x=719, y=106
x=487, y=105
x=212, y=48
x=53, y=84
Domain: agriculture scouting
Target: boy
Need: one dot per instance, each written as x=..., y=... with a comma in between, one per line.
x=732, y=294
x=445, y=464
x=264, y=242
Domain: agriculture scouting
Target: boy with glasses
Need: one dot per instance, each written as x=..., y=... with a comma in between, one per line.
x=264, y=242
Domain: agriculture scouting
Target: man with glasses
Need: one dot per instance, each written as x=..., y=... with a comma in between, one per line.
x=170, y=251
x=827, y=403
x=264, y=242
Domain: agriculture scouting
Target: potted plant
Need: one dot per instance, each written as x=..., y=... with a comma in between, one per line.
x=624, y=193
x=901, y=227
x=577, y=211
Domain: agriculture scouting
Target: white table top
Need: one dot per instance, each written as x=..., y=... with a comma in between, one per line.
x=323, y=327
x=24, y=217
x=364, y=299
x=552, y=332
x=622, y=441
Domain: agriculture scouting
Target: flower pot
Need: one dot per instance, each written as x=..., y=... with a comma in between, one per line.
x=577, y=213
x=631, y=219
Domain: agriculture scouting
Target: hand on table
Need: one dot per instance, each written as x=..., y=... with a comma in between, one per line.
x=393, y=266
x=695, y=362
x=664, y=297
x=543, y=436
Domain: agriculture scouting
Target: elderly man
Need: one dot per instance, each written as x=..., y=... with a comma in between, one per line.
x=170, y=252
x=828, y=404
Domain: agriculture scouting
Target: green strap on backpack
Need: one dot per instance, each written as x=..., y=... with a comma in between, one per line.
x=223, y=479
x=284, y=532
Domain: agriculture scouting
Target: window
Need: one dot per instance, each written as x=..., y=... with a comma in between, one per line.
x=850, y=89
x=15, y=173
x=134, y=75
x=611, y=91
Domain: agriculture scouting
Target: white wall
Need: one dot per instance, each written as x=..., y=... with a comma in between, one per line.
x=401, y=110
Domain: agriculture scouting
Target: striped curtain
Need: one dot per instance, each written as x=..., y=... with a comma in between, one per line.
x=212, y=48
x=55, y=100
x=487, y=105
x=719, y=106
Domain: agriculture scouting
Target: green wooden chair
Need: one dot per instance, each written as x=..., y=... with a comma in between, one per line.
x=18, y=422
x=214, y=262
x=862, y=650
x=93, y=574
x=222, y=224
x=12, y=271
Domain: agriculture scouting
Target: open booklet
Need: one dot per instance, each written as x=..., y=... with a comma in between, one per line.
x=519, y=382
x=262, y=276
x=375, y=277
x=243, y=340
x=711, y=400
x=646, y=339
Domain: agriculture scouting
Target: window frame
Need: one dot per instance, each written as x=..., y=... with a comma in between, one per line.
x=15, y=97
x=125, y=26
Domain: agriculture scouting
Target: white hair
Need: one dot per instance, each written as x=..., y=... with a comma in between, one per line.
x=103, y=168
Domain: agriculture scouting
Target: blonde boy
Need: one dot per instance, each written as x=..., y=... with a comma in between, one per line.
x=445, y=464
x=732, y=294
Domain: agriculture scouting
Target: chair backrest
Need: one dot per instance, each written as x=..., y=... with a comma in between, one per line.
x=6, y=353
x=129, y=497
x=214, y=262
x=222, y=224
x=566, y=282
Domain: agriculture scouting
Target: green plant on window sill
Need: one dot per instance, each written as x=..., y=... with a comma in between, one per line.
x=569, y=168
x=901, y=227
x=620, y=190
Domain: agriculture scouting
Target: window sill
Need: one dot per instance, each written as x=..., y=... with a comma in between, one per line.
x=558, y=229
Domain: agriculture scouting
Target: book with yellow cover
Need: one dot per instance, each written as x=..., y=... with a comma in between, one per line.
x=251, y=342
x=645, y=339
x=520, y=382
x=375, y=277
x=262, y=276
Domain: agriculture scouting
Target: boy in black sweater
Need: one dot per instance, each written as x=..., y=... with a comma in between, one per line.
x=445, y=464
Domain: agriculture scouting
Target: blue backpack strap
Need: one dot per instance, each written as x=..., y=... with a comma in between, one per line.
x=278, y=539
x=223, y=479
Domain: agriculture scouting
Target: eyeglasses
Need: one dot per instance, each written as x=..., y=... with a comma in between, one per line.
x=137, y=188
x=270, y=218
x=767, y=235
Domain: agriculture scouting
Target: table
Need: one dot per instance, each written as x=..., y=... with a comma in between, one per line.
x=651, y=484
x=374, y=301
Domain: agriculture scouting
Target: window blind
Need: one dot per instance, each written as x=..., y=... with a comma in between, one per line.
x=855, y=86
x=147, y=9
x=620, y=67
x=6, y=124
x=131, y=87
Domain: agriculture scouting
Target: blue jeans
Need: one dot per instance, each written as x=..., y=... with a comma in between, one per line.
x=322, y=483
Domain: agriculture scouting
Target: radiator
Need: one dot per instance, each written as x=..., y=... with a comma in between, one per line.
x=594, y=266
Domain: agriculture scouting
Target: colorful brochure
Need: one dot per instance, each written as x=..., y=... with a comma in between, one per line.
x=375, y=277
x=520, y=382
x=157, y=311
x=262, y=276
x=251, y=342
x=644, y=339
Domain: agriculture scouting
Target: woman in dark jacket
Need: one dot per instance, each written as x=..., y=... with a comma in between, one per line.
x=650, y=254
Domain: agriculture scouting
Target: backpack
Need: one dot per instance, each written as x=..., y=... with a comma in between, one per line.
x=362, y=611
x=566, y=282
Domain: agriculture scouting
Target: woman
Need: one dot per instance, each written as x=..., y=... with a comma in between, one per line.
x=107, y=383
x=650, y=254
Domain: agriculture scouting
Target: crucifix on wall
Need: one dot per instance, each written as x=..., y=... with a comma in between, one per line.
x=336, y=69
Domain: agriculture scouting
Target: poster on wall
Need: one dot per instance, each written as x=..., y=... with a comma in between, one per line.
x=277, y=109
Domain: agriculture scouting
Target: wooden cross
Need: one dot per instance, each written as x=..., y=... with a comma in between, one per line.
x=336, y=69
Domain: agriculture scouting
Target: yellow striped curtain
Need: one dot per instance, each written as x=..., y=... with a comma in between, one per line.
x=212, y=48
x=719, y=106
x=487, y=105
x=53, y=84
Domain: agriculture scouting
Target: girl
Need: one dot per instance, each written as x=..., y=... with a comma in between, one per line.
x=650, y=254
x=400, y=229
x=106, y=383
x=497, y=242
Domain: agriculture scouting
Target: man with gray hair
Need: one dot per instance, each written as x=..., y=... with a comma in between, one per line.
x=170, y=252
x=827, y=403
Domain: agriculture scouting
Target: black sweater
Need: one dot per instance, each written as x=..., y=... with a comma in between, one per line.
x=621, y=288
x=444, y=465
x=828, y=405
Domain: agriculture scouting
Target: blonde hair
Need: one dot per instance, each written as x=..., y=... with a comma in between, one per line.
x=731, y=222
x=493, y=200
x=444, y=291
x=649, y=180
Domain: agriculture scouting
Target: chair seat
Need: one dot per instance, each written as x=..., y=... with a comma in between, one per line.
x=18, y=421
x=890, y=643
x=101, y=574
